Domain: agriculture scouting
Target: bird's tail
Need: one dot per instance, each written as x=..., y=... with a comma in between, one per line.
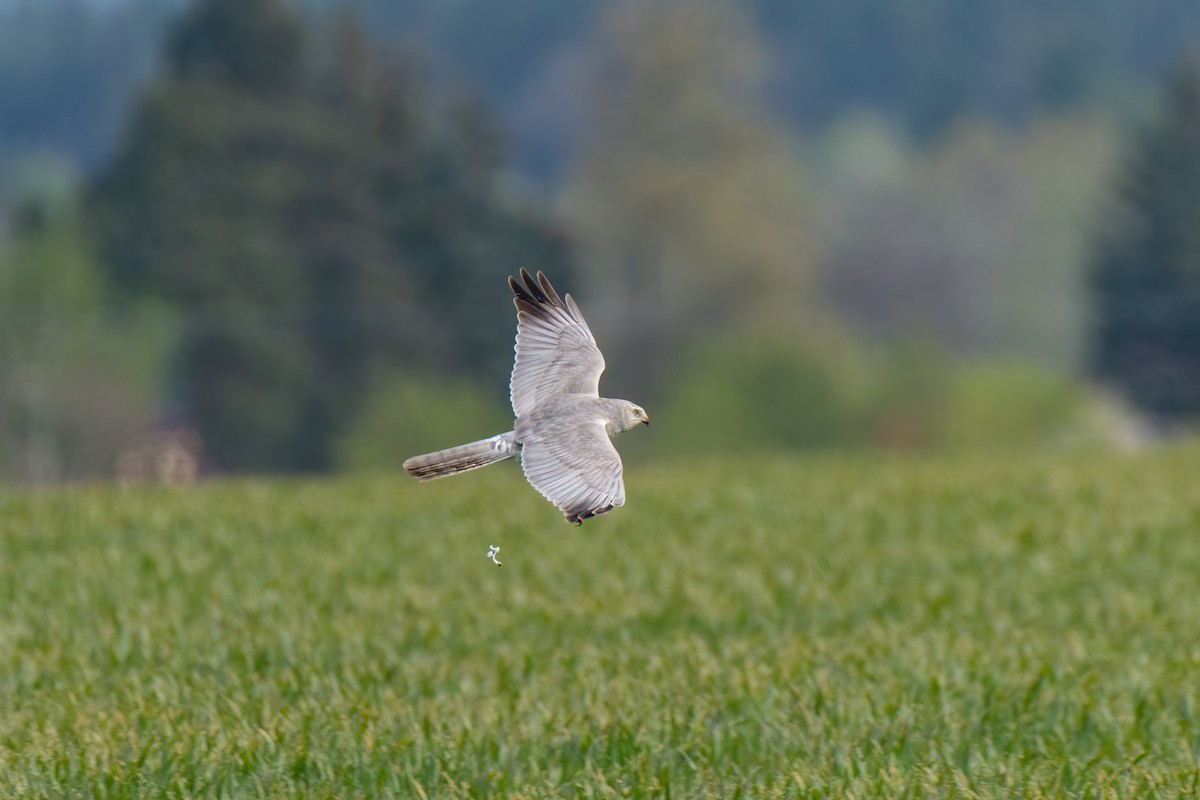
x=462, y=458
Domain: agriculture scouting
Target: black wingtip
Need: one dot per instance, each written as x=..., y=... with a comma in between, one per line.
x=578, y=517
x=520, y=292
x=548, y=289
x=532, y=285
x=535, y=291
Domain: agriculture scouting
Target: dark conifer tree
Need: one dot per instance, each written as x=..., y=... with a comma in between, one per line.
x=1145, y=276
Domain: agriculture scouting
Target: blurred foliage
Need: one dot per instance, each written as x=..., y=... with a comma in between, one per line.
x=1145, y=272
x=923, y=65
x=762, y=393
x=815, y=393
x=909, y=395
x=309, y=211
x=689, y=202
x=67, y=72
x=78, y=380
x=69, y=69
x=407, y=413
x=929, y=64
x=978, y=244
x=44, y=178
x=1013, y=406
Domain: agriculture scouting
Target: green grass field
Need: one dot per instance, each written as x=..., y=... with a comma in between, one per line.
x=809, y=628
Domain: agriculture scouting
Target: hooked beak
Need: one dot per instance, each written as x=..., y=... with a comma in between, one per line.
x=646, y=421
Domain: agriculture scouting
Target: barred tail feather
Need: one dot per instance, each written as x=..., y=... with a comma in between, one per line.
x=462, y=458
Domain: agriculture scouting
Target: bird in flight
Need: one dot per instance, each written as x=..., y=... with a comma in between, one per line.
x=564, y=428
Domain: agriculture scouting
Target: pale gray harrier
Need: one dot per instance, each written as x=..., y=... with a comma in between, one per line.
x=564, y=428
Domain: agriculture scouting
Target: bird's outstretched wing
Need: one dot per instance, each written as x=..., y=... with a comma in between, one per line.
x=577, y=469
x=555, y=351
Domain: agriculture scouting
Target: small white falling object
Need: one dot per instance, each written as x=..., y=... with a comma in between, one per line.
x=493, y=550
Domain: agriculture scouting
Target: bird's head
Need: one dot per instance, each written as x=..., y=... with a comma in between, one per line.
x=635, y=415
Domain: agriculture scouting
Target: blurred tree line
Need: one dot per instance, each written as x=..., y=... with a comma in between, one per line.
x=923, y=65
x=298, y=245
